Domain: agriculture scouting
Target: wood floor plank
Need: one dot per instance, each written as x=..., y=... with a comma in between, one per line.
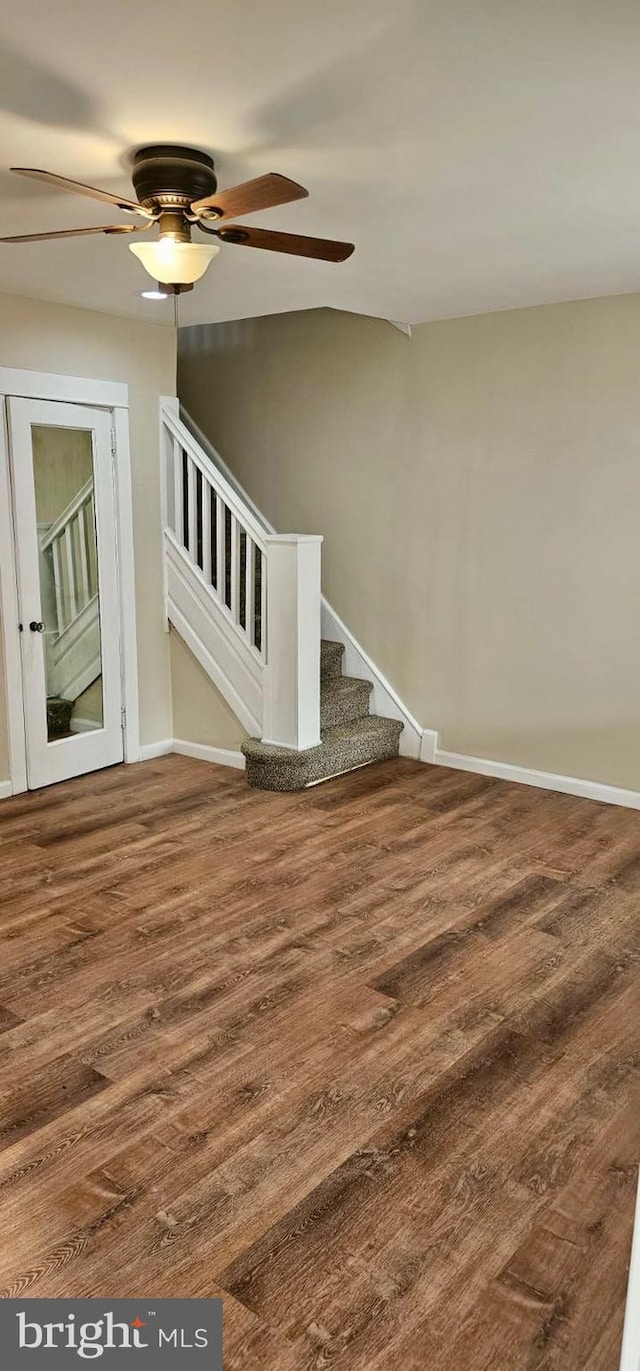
x=31, y=1103
x=362, y=1060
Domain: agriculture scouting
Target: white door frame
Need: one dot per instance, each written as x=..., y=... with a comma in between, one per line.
x=112, y=396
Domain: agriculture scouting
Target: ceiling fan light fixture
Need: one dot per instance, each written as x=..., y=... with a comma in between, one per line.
x=176, y=188
x=175, y=264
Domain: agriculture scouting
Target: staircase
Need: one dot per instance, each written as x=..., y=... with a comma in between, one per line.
x=247, y=602
x=351, y=737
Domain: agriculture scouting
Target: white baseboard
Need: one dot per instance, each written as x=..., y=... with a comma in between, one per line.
x=221, y=756
x=546, y=780
x=150, y=750
x=630, y=1360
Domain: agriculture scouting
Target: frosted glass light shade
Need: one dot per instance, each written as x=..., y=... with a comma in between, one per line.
x=175, y=264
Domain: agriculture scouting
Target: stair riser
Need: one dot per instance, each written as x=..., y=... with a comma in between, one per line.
x=344, y=710
x=331, y=657
x=329, y=673
x=262, y=777
x=357, y=766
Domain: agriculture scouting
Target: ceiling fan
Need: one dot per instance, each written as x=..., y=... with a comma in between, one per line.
x=176, y=189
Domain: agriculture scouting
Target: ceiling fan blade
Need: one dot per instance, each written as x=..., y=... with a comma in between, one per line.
x=63, y=183
x=262, y=193
x=323, y=249
x=75, y=233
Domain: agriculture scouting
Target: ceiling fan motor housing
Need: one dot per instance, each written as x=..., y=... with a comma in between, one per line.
x=169, y=177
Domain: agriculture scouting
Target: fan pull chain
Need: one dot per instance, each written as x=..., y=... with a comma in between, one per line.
x=176, y=313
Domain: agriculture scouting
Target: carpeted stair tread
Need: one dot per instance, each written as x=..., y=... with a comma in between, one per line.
x=343, y=699
x=331, y=655
x=343, y=747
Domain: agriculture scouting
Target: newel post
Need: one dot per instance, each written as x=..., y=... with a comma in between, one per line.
x=291, y=715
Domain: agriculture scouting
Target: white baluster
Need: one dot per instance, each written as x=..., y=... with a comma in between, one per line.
x=178, y=492
x=263, y=605
x=206, y=531
x=249, y=589
x=57, y=584
x=71, y=575
x=192, y=511
x=83, y=555
x=235, y=570
x=91, y=514
x=221, y=557
x=167, y=477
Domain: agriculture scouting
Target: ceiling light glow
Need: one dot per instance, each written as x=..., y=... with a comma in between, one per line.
x=172, y=263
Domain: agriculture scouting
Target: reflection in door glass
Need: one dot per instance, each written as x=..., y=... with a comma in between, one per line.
x=69, y=589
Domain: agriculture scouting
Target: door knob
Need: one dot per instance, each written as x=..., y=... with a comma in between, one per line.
x=36, y=626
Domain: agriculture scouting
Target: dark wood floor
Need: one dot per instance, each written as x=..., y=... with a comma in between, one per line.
x=364, y=1060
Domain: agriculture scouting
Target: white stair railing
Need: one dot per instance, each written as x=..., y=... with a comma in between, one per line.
x=69, y=579
x=246, y=602
x=68, y=543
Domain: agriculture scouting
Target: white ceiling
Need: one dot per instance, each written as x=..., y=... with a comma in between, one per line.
x=482, y=154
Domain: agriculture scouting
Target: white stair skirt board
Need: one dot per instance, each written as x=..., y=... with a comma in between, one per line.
x=546, y=780
x=83, y=725
x=415, y=741
x=630, y=1360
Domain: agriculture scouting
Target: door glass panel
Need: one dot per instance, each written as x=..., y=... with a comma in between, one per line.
x=69, y=581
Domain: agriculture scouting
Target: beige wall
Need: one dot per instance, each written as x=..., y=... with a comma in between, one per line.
x=478, y=487
x=54, y=338
x=62, y=465
x=200, y=715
